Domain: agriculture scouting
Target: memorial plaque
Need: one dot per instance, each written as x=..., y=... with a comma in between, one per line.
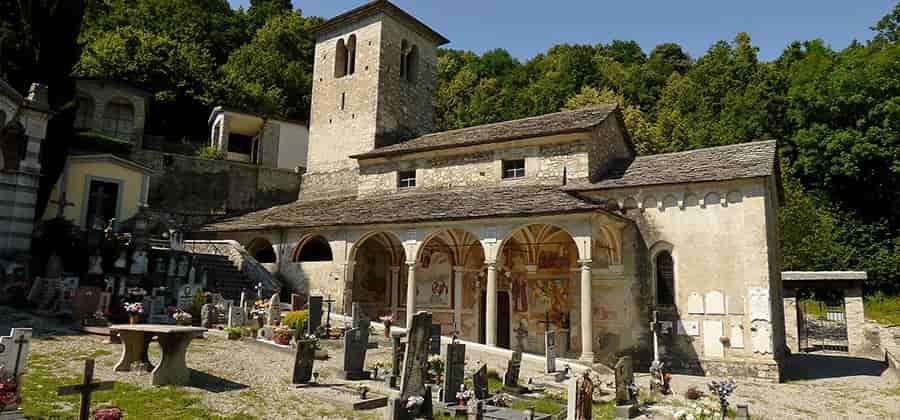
x=759, y=304
x=715, y=303
x=712, y=335
x=695, y=303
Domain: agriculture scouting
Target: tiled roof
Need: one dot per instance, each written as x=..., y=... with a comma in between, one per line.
x=382, y=6
x=412, y=207
x=543, y=125
x=736, y=161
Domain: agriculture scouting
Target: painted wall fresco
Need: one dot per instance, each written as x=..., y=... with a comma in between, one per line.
x=434, y=279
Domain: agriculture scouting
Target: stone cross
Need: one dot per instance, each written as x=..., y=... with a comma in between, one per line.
x=303, y=362
x=580, y=400
x=513, y=366
x=480, y=383
x=454, y=370
x=314, y=305
x=356, y=343
x=86, y=388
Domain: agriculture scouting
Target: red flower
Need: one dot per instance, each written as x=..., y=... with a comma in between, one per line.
x=111, y=413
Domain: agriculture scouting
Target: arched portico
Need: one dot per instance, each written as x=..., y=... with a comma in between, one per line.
x=262, y=250
x=373, y=274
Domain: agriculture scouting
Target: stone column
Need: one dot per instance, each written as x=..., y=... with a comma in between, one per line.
x=791, y=329
x=347, y=301
x=395, y=290
x=458, y=272
x=856, y=320
x=410, y=293
x=587, y=331
x=490, y=322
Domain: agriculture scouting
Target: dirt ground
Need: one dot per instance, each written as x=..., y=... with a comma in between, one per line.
x=239, y=378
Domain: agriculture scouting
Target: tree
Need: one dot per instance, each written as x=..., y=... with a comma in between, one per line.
x=888, y=28
x=642, y=133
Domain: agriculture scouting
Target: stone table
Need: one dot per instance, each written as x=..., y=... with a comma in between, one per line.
x=174, y=341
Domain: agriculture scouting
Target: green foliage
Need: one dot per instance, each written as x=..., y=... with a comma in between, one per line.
x=883, y=308
x=297, y=320
x=211, y=153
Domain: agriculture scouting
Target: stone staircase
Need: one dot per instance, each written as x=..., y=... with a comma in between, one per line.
x=222, y=275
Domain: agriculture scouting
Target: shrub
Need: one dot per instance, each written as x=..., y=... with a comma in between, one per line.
x=297, y=320
x=211, y=153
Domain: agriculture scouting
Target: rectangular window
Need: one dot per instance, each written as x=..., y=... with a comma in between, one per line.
x=406, y=179
x=514, y=168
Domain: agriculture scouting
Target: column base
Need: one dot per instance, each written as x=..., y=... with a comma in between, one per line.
x=587, y=357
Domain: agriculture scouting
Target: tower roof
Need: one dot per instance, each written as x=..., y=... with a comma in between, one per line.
x=381, y=6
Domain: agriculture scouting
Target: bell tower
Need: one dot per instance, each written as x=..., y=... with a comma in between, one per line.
x=373, y=85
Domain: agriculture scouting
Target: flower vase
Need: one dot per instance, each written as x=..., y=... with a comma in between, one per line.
x=134, y=319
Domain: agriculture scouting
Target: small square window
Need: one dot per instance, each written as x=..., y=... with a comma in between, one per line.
x=514, y=168
x=406, y=179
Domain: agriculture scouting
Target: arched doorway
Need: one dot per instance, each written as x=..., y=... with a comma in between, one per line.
x=449, y=276
x=536, y=281
x=378, y=259
x=262, y=250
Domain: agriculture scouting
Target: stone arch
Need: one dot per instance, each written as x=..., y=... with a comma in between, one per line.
x=412, y=63
x=312, y=247
x=691, y=200
x=629, y=204
x=533, y=234
x=734, y=197
x=118, y=118
x=649, y=203
x=375, y=269
x=712, y=198
x=262, y=250
x=664, y=272
x=351, y=55
x=669, y=201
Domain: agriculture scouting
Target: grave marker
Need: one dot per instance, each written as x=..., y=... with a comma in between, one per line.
x=86, y=388
x=303, y=362
x=398, y=349
x=454, y=370
x=580, y=400
x=13, y=357
x=314, y=304
x=435, y=340
x=513, y=366
x=625, y=403
x=480, y=383
x=356, y=342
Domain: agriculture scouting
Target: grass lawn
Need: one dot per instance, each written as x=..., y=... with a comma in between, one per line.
x=883, y=309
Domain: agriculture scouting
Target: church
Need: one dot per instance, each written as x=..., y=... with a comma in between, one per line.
x=503, y=231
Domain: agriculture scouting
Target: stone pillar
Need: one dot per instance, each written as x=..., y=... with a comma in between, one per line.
x=791, y=327
x=410, y=293
x=856, y=320
x=458, y=272
x=395, y=291
x=587, y=330
x=490, y=322
x=347, y=301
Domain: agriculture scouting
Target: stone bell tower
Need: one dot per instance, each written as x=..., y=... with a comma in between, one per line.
x=373, y=85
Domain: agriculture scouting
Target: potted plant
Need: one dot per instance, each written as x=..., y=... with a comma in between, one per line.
x=182, y=318
x=134, y=312
x=283, y=336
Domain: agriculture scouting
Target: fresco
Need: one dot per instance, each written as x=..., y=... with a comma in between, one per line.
x=553, y=296
x=433, y=279
x=519, y=289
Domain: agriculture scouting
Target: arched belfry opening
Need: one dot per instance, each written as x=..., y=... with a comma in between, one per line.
x=262, y=250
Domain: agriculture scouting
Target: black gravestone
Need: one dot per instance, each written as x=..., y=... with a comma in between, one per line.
x=303, y=362
x=356, y=342
x=435, y=343
x=480, y=383
x=454, y=370
x=314, y=304
x=511, y=378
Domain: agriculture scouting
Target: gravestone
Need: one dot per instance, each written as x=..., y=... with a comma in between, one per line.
x=626, y=406
x=303, y=362
x=580, y=400
x=550, y=351
x=186, y=295
x=209, y=315
x=139, y=263
x=236, y=316
x=314, y=305
x=398, y=349
x=155, y=308
x=356, y=342
x=435, y=340
x=273, y=316
x=296, y=303
x=480, y=383
x=513, y=366
x=85, y=302
x=13, y=357
x=67, y=289
x=476, y=411
x=415, y=367
x=454, y=370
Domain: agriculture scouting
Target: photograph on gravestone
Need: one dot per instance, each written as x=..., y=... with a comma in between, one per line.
x=454, y=370
x=303, y=362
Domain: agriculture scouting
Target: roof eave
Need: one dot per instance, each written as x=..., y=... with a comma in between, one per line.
x=379, y=6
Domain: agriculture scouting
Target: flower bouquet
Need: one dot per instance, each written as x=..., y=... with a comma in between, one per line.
x=134, y=311
x=463, y=395
x=108, y=413
x=283, y=336
x=722, y=390
x=9, y=393
x=182, y=318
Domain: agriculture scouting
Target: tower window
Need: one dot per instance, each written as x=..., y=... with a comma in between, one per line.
x=406, y=179
x=513, y=168
x=345, y=57
x=343, y=100
x=409, y=61
x=665, y=279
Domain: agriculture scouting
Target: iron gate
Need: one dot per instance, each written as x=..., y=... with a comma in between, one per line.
x=822, y=327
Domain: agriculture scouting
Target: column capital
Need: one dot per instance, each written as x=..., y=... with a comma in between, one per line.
x=458, y=268
x=585, y=264
x=532, y=268
x=394, y=269
x=411, y=264
x=491, y=264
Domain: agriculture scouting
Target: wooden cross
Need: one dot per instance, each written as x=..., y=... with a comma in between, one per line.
x=85, y=389
x=21, y=341
x=547, y=322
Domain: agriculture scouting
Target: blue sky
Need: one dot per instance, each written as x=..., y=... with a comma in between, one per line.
x=526, y=28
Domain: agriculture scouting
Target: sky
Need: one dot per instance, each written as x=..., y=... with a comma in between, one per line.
x=529, y=27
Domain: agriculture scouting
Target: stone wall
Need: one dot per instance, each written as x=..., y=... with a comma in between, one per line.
x=189, y=185
x=103, y=92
